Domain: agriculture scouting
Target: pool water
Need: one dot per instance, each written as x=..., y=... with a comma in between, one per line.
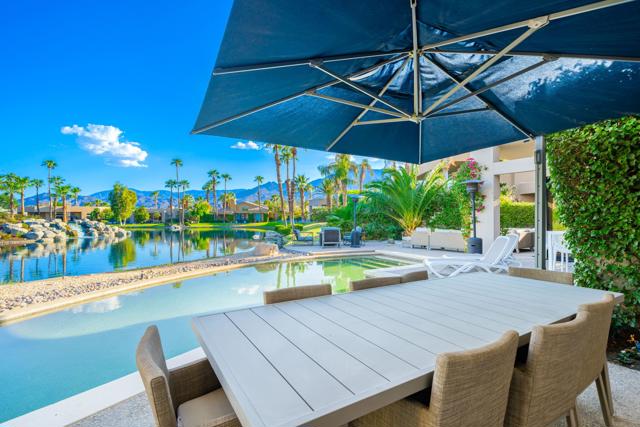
x=51, y=357
x=144, y=248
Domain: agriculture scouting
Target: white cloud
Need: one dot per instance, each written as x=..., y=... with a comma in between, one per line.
x=246, y=146
x=107, y=141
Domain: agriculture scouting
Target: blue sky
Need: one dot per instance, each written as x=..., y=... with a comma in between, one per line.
x=138, y=71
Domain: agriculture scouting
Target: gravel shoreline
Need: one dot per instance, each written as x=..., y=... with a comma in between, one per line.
x=31, y=298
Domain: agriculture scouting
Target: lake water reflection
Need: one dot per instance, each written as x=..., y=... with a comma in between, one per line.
x=143, y=249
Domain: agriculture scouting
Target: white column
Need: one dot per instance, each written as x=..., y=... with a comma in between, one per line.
x=489, y=219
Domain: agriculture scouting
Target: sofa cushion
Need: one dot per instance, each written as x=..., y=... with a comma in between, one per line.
x=210, y=410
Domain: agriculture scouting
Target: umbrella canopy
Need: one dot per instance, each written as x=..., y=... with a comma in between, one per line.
x=418, y=80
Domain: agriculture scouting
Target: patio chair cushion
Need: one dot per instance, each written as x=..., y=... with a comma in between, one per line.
x=297, y=292
x=210, y=410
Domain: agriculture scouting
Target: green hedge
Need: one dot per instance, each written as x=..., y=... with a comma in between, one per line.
x=595, y=180
x=517, y=214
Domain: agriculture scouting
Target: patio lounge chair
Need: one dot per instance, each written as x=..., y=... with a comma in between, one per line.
x=495, y=259
x=302, y=238
x=546, y=387
x=469, y=388
x=358, y=285
x=187, y=396
x=297, y=292
x=330, y=236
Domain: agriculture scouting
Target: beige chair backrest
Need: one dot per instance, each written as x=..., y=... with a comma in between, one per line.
x=155, y=377
x=545, y=389
x=414, y=276
x=298, y=292
x=376, y=282
x=599, y=322
x=546, y=275
x=471, y=388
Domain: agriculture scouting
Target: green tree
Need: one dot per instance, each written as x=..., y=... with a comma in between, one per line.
x=302, y=182
x=37, y=184
x=123, y=202
x=63, y=190
x=226, y=178
x=276, y=157
x=328, y=188
x=259, y=179
x=183, y=184
x=178, y=164
x=285, y=157
x=8, y=184
x=56, y=182
x=141, y=215
x=404, y=198
x=363, y=167
x=171, y=184
x=75, y=193
x=206, y=187
x=214, y=177
x=22, y=183
x=50, y=165
x=199, y=209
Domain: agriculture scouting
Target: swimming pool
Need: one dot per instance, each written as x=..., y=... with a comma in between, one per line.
x=52, y=357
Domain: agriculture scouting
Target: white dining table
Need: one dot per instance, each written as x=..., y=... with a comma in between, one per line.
x=325, y=361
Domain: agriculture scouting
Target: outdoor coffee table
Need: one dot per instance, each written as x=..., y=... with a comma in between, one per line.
x=325, y=361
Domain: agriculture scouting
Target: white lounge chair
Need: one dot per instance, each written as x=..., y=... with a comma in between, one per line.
x=496, y=259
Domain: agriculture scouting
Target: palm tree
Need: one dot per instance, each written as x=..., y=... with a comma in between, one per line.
x=364, y=167
x=276, y=157
x=184, y=184
x=404, y=198
x=8, y=183
x=50, y=165
x=259, y=179
x=328, y=188
x=170, y=184
x=294, y=157
x=63, y=191
x=206, y=187
x=285, y=156
x=155, y=195
x=214, y=176
x=342, y=166
x=226, y=177
x=75, y=193
x=56, y=182
x=178, y=164
x=22, y=183
x=303, y=183
x=37, y=183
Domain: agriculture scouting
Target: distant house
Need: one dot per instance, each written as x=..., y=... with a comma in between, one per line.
x=73, y=212
x=248, y=212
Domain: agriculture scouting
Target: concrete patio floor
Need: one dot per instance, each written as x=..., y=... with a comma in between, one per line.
x=625, y=384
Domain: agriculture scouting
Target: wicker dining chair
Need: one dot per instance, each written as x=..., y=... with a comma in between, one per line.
x=469, y=388
x=546, y=275
x=294, y=293
x=546, y=387
x=595, y=357
x=374, y=282
x=414, y=276
x=188, y=396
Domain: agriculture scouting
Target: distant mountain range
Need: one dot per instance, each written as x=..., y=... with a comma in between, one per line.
x=268, y=189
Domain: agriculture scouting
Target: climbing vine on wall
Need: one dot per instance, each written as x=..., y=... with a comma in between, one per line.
x=595, y=180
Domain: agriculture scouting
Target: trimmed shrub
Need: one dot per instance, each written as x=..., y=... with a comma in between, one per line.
x=595, y=180
x=517, y=214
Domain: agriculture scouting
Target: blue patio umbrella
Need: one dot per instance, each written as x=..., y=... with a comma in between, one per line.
x=418, y=80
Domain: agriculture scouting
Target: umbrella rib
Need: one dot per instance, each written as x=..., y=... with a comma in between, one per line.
x=541, y=54
x=293, y=96
x=382, y=121
x=525, y=23
x=545, y=60
x=354, y=104
x=371, y=104
x=534, y=26
x=417, y=88
x=454, y=113
x=490, y=104
x=346, y=81
x=301, y=62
